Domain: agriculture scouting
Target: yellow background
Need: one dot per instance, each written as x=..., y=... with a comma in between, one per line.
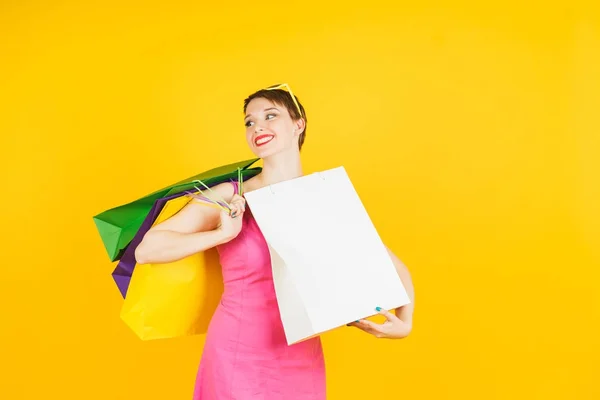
x=470, y=130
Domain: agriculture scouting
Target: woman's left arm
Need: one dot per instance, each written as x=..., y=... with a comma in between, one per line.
x=405, y=313
x=396, y=326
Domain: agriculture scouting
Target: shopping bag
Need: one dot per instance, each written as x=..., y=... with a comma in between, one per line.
x=174, y=299
x=330, y=267
x=117, y=226
x=124, y=269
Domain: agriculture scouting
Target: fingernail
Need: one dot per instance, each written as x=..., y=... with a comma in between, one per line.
x=378, y=308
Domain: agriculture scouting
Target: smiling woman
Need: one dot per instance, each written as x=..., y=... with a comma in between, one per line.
x=246, y=355
x=264, y=110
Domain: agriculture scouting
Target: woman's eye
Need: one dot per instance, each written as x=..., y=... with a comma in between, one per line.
x=268, y=116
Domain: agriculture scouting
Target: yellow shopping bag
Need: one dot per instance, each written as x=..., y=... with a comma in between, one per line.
x=173, y=299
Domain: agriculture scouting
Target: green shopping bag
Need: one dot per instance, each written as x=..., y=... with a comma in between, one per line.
x=117, y=226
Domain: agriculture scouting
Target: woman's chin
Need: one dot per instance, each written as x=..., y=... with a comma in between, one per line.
x=271, y=150
x=264, y=152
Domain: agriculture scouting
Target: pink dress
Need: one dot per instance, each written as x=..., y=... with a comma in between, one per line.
x=245, y=355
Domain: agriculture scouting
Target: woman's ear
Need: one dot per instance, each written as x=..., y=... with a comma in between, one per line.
x=299, y=127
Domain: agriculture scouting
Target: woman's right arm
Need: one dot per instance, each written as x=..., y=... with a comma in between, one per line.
x=192, y=230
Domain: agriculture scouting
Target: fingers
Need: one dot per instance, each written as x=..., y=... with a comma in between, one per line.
x=393, y=327
x=237, y=198
x=377, y=330
x=237, y=205
x=235, y=211
x=388, y=315
x=369, y=327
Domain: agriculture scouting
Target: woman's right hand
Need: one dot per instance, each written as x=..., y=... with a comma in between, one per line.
x=231, y=223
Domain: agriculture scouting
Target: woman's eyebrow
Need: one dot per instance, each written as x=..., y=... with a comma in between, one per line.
x=266, y=109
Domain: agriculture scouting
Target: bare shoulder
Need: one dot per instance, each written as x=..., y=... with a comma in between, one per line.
x=196, y=216
x=222, y=191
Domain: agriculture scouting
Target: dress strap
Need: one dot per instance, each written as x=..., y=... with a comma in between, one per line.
x=235, y=186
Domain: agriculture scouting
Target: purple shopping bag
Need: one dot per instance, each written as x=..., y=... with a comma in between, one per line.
x=124, y=270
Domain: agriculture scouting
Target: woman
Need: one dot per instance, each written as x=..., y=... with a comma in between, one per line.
x=246, y=355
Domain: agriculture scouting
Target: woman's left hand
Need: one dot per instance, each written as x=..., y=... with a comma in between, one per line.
x=392, y=328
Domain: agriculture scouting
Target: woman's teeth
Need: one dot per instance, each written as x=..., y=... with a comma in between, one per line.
x=263, y=140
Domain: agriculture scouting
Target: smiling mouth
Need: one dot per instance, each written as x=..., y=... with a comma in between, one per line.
x=263, y=139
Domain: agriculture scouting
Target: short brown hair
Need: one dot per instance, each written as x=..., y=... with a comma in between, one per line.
x=284, y=99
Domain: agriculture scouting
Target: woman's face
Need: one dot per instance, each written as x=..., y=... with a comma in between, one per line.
x=269, y=128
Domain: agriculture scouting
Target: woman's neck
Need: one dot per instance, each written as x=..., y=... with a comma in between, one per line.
x=281, y=167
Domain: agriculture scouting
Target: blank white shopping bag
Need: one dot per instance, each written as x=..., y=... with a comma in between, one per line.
x=330, y=266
